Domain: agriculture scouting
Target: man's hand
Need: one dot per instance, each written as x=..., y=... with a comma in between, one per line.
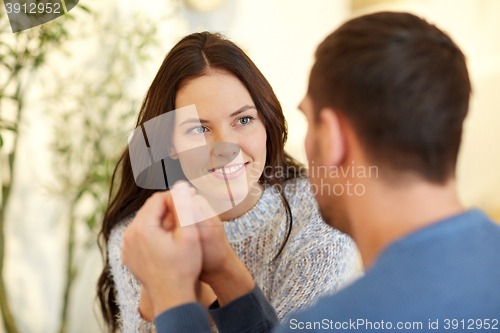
x=222, y=269
x=146, y=305
x=204, y=295
x=167, y=262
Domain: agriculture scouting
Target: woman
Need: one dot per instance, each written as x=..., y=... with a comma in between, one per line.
x=275, y=229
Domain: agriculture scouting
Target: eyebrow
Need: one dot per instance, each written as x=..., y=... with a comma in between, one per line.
x=203, y=121
x=242, y=109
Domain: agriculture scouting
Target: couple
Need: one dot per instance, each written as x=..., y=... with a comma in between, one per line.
x=276, y=230
x=386, y=89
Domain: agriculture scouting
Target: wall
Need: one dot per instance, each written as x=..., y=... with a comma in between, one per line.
x=280, y=36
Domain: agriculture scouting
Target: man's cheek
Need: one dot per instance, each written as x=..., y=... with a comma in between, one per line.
x=311, y=146
x=308, y=147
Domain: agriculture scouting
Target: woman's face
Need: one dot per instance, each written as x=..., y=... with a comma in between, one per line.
x=221, y=142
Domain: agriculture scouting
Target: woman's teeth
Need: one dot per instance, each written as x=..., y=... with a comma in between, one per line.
x=229, y=170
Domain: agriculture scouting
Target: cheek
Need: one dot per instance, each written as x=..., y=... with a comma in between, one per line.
x=254, y=145
x=177, y=144
x=310, y=145
x=184, y=143
x=262, y=146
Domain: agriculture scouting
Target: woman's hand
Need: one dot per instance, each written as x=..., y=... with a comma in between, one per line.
x=146, y=306
x=204, y=295
x=222, y=269
x=150, y=252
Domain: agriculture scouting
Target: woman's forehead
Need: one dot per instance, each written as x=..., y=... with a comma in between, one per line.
x=214, y=92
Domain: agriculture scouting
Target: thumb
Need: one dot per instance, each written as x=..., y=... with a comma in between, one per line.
x=182, y=198
x=204, y=212
x=210, y=227
x=169, y=220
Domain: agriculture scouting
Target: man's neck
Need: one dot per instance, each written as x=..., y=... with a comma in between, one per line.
x=391, y=212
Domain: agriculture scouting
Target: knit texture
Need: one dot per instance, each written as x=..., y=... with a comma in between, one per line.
x=316, y=261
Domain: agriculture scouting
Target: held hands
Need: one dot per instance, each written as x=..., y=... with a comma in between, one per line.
x=222, y=269
x=150, y=252
x=169, y=259
x=204, y=295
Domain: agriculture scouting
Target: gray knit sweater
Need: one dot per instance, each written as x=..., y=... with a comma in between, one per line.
x=316, y=260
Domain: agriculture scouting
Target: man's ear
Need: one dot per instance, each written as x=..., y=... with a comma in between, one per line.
x=333, y=139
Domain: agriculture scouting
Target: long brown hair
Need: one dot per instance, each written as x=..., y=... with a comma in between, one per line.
x=191, y=58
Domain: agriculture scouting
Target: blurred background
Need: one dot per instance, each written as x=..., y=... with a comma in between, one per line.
x=70, y=91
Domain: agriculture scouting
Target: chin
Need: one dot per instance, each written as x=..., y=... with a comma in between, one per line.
x=214, y=193
x=239, y=196
x=333, y=215
x=332, y=210
x=238, y=193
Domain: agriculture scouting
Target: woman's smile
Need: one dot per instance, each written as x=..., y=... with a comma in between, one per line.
x=229, y=171
x=218, y=112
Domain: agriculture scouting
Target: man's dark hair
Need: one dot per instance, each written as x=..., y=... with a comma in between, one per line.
x=403, y=85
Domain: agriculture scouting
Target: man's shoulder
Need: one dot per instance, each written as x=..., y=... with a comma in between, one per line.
x=465, y=241
x=363, y=299
x=380, y=298
x=448, y=271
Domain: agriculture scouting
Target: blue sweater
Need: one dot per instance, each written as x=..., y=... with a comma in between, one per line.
x=443, y=277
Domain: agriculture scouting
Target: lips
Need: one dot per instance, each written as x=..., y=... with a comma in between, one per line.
x=228, y=169
x=229, y=172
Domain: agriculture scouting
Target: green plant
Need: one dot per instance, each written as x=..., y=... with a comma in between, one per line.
x=21, y=55
x=93, y=116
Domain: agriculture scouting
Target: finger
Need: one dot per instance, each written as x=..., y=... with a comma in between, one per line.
x=192, y=191
x=187, y=238
x=153, y=210
x=210, y=226
x=168, y=222
x=182, y=198
x=206, y=214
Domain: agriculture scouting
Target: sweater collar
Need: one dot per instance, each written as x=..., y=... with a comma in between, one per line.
x=266, y=209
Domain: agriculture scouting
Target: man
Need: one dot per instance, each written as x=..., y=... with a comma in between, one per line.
x=390, y=91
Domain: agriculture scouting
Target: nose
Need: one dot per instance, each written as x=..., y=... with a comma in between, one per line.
x=225, y=151
x=222, y=144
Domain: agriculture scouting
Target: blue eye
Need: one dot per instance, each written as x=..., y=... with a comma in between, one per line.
x=245, y=120
x=198, y=130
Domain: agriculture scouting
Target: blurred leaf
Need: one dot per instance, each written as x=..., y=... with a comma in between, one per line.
x=91, y=222
x=85, y=8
